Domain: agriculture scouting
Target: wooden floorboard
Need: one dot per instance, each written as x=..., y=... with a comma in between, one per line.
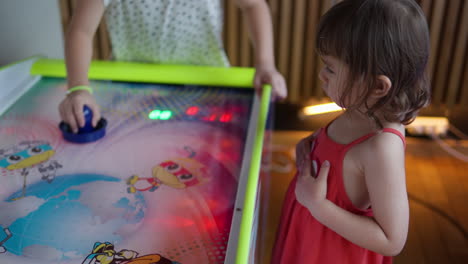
x=437, y=187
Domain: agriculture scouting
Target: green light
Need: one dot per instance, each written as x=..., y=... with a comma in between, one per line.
x=154, y=114
x=165, y=115
x=161, y=115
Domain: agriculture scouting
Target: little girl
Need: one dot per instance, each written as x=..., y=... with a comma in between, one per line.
x=348, y=201
x=161, y=31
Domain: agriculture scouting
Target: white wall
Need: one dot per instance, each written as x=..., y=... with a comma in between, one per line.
x=29, y=28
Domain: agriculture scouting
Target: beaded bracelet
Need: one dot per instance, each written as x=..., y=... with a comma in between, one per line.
x=80, y=87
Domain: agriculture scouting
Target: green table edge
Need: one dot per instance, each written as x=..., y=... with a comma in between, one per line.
x=145, y=72
x=252, y=181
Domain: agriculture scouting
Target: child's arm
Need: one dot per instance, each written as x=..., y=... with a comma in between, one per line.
x=384, y=171
x=78, y=53
x=259, y=24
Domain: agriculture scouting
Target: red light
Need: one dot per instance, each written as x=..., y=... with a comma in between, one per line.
x=225, y=118
x=210, y=118
x=209, y=223
x=193, y=110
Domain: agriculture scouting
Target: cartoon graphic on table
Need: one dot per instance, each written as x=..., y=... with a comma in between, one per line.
x=27, y=154
x=178, y=173
x=104, y=253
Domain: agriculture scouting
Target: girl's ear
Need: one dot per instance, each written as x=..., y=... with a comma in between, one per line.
x=384, y=84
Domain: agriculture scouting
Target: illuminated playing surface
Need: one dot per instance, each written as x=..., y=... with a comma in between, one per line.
x=160, y=186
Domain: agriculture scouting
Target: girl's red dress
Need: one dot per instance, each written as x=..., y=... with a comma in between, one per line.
x=301, y=238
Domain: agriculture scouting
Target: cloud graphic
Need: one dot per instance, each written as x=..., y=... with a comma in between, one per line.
x=18, y=209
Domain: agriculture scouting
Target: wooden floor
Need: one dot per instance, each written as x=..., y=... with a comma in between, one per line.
x=437, y=187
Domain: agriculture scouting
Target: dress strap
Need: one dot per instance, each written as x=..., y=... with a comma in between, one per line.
x=385, y=130
x=361, y=139
x=396, y=132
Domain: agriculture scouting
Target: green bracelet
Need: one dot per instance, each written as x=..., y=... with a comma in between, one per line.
x=80, y=87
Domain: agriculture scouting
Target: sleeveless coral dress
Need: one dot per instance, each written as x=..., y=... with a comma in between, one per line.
x=301, y=238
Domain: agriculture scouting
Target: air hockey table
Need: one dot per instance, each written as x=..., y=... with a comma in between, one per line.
x=174, y=180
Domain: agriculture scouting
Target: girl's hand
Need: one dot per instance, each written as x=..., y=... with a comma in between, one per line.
x=71, y=109
x=303, y=149
x=269, y=75
x=311, y=191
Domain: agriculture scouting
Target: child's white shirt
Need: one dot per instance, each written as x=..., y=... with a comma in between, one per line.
x=167, y=31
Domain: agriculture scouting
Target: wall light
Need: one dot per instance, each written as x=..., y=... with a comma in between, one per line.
x=321, y=109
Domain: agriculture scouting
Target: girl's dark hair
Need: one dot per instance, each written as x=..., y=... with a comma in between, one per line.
x=380, y=37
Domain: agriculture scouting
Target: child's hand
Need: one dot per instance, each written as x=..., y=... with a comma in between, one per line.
x=71, y=109
x=311, y=191
x=303, y=149
x=269, y=75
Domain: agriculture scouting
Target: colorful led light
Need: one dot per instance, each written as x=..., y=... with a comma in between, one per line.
x=160, y=114
x=165, y=115
x=193, y=110
x=226, y=117
x=210, y=118
x=154, y=114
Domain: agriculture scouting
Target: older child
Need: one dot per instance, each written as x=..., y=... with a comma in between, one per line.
x=160, y=31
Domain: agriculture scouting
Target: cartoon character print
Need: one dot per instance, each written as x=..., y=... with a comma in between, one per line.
x=27, y=154
x=177, y=173
x=7, y=235
x=49, y=170
x=104, y=253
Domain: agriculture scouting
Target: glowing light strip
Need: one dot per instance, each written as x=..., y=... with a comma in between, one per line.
x=321, y=109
